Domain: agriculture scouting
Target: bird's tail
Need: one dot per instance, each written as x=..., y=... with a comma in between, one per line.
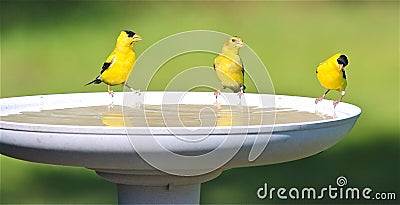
x=95, y=81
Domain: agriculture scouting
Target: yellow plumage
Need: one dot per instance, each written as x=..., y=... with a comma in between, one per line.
x=120, y=62
x=229, y=66
x=332, y=76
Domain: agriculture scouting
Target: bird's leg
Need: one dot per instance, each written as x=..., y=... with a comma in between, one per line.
x=322, y=97
x=110, y=91
x=339, y=100
x=130, y=88
x=240, y=93
x=218, y=92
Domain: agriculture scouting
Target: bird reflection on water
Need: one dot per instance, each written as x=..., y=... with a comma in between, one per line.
x=168, y=115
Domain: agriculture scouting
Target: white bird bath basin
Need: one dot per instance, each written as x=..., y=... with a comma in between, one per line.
x=163, y=158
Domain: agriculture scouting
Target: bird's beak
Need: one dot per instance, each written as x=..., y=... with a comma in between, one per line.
x=239, y=44
x=340, y=67
x=136, y=38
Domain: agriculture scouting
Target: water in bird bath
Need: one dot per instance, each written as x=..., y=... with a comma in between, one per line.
x=167, y=115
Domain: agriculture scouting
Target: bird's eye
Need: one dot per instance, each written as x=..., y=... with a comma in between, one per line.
x=234, y=40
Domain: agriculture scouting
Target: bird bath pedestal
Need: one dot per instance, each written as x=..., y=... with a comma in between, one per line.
x=158, y=147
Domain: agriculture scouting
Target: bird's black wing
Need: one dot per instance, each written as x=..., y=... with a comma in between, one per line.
x=243, y=70
x=106, y=65
x=242, y=66
x=244, y=87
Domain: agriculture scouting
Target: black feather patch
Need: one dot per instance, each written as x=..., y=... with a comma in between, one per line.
x=244, y=88
x=344, y=74
x=105, y=67
x=343, y=60
x=242, y=69
x=130, y=33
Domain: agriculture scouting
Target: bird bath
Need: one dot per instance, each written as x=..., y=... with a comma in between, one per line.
x=158, y=147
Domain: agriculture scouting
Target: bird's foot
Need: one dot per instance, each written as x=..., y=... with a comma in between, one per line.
x=240, y=94
x=336, y=102
x=319, y=99
x=217, y=93
x=135, y=91
x=110, y=92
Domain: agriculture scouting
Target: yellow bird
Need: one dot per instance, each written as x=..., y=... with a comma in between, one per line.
x=120, y=62
x=229, y=67
x=332, y=76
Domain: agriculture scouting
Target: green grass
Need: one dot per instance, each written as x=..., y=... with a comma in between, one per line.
x=58, y=47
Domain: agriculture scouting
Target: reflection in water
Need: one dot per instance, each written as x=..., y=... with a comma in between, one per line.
x=171, y=115
x=113, y=117
x=224, y=117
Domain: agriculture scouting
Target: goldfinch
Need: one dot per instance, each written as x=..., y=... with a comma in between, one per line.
x=120, y=62
x=332, y=76
x=229, y=67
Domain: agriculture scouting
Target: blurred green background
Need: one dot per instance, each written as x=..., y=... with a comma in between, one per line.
x=54, y=47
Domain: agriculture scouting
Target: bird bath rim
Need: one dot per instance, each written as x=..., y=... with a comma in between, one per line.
x=97, y=143
x=325, y=106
